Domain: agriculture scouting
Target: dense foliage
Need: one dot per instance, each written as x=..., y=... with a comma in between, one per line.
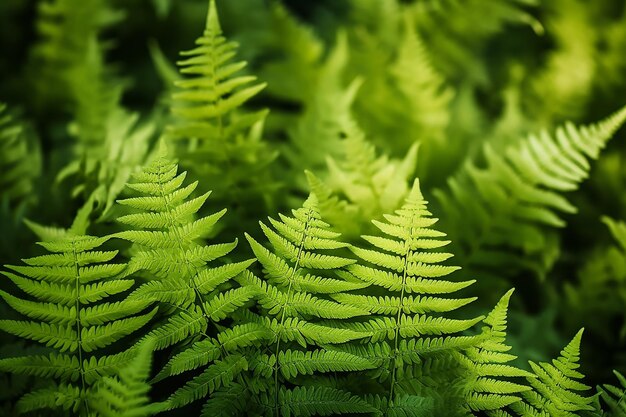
x=361, y=207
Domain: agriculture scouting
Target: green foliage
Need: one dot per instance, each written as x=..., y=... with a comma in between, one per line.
x=170, y=253
x=18, y=161
x=555, y=386
x=486, y=364
x=404, y=261
x=219, y=142
x=66, y=28
x=299, y=276
x=63, y=310
x=127, y=394
x=614, y=397
x=334, y=121
x=519, y=197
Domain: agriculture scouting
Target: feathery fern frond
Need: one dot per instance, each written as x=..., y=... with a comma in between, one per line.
x=19, y=164
x=205, y=103
x=126, y=395
x=555, y=386
x=500, y=216
x=402, y=263
x=170, y=252
x=486, y=364
x=299, y=275
x=213, y=135
x=614, y=397
x=65, y=27
x=65, y=315
x=110, y=141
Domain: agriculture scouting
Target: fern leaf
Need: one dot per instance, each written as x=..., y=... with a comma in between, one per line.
x=519, y=196
x=555, y=387
x=66, y=316
x=486, y=365
x=178, y=327
x=65, y=397
x=614, y=397
x=293, y=363
x=322, y=401
x=19, y=163
x=216, y=375
x=398, y=263
x=127, y=394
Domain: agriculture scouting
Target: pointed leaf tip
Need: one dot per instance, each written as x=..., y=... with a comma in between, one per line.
x=416, y=192
x=212, y=19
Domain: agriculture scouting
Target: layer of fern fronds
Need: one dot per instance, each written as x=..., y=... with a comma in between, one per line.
x=287, y=208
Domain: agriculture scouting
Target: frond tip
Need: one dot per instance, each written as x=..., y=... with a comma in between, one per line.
x=555, y=386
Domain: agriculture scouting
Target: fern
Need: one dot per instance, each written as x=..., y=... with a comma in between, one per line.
x=213, y=135
x=170, y=253
x=19, y=163
x=558, y=91
x=110, y=143
x=65, y=28
x=65, y=314
x=555, y=386
x=500, y=217
x=316, y=134
x=126, y=395
x=298, y=278
x=614, y=397
x=372, y=184
x=486, y=365
x=406, y=327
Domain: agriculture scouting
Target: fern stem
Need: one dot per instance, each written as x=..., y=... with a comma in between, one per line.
x=282, y=316
x=397, y=329
x=81, y=370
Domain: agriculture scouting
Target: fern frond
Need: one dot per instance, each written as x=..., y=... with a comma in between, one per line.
x=127, y=394
x=511, y=205
x=614, y=397
x=205, y=102
x=169, y=250
x=399, y=264
x=555, y=386
x=214, y=376
x=486, y=365
x=293, y=363
x=65, y=397
x=211, y=131
x=19, y=162
x=321, y=401
x=65, y=28
x=301, y=259
x=66, y=316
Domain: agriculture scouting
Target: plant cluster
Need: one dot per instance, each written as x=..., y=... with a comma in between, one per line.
x=315, y=210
